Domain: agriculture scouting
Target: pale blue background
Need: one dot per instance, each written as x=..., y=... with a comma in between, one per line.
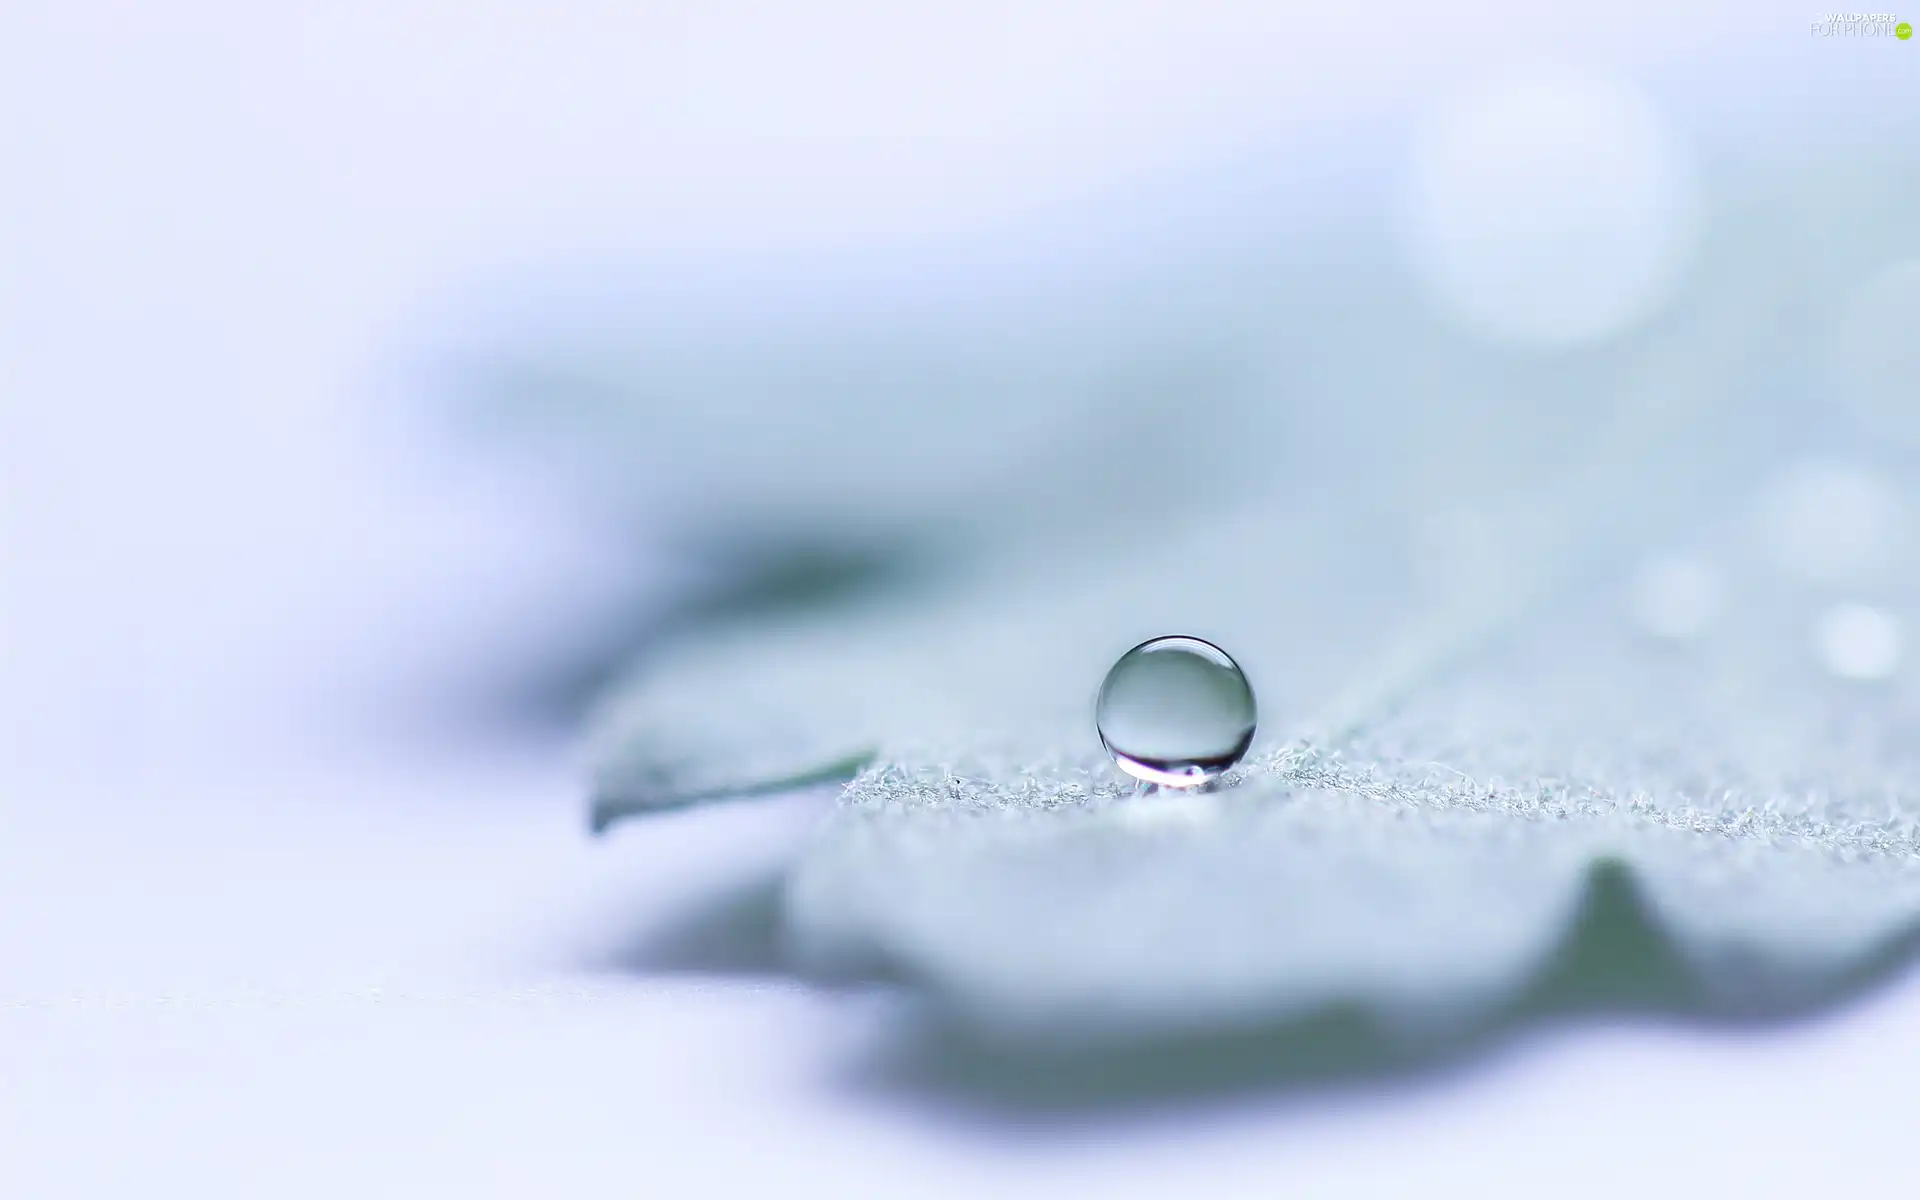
x=266, y=924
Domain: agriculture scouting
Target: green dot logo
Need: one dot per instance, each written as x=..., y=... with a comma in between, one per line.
x=1903, y=31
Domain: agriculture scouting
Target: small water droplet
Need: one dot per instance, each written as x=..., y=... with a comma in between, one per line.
x=1176, y=711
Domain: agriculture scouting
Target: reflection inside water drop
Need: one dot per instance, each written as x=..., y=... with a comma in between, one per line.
x=1175, y=711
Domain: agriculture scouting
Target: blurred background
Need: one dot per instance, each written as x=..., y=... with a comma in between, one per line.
x=376, y=383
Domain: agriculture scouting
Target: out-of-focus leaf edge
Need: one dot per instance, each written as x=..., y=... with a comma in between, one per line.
x=609, y=807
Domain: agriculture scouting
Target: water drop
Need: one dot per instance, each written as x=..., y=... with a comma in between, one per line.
x=1175, y=711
